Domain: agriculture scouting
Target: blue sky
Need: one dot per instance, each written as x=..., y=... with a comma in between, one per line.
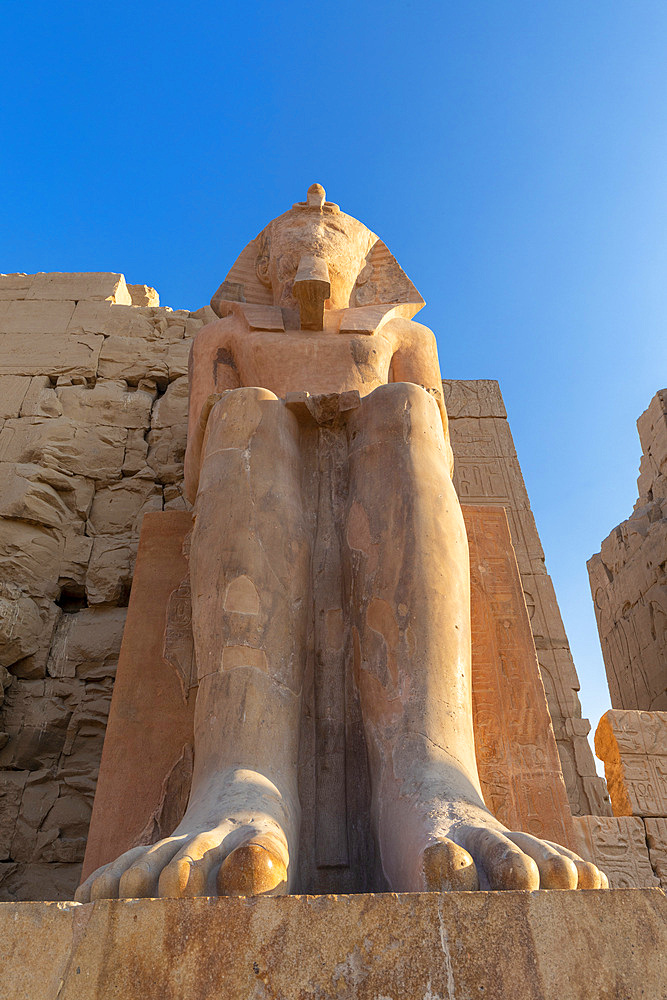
x=511, y=154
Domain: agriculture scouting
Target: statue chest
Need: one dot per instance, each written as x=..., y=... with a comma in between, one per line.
x=323, y=362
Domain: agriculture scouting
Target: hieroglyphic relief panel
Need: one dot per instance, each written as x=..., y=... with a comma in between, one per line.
x=617, y=845
x=516, y=749
x=633, y=746
x=487, y=471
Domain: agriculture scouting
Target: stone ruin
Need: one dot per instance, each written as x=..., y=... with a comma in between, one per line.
x=628, y=579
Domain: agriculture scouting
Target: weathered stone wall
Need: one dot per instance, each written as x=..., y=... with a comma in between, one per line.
x=93, y=407
x=628, y=580
x=487, y=471
x=633, y=746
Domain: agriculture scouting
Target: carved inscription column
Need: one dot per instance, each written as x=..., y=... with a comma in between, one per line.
x=487, y=471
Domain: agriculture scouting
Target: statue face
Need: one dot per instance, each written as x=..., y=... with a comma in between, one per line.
x=338, y=239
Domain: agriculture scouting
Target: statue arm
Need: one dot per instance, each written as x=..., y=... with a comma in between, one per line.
x=212, y=370
x=415, y=359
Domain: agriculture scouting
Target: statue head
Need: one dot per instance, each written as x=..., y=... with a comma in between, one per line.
x=315, y=257
x=314, y=238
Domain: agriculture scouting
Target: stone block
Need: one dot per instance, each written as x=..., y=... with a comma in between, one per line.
x=37, y=718
x=133, y=360
x=33, y=667
x=39, y=795
x=633, y=746
x=32, y=318
x=93, y=286
x=38, y=881
x=30, y=557
x=20, y=625
x=617, y=845
x=178, y=356
x=205, y=315
x=172, y=407
x=652, y=427
x=40, y=399
x=87, y=644
x=75, y=560
x=422, y=946
x=113, y=320
x=107, y=404
x=87, y=450
x=12, y=784
x=136, y=452
x=143, y=295
x=482, y=437
x=14, y=286
x=491, y=480
x=118, y=509
x=24, y=495
x=49, y=354
x=478, y=398
x=166, y=452
x=109, y=575
x=13, y=389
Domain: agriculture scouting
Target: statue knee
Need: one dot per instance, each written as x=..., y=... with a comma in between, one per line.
x=393, y=406
x=235, y=418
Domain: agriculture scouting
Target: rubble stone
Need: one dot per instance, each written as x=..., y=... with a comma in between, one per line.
x=143, y=295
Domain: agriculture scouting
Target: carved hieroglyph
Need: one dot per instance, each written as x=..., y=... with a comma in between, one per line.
x=629, y=582
x=516, y=750
x=617, y=845
x=486, y=471
x=633, y=746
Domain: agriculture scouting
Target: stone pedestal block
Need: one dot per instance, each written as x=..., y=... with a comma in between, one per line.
x=428, y=946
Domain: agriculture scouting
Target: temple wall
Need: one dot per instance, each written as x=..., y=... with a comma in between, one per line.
x=628, y=580
x=93, y=408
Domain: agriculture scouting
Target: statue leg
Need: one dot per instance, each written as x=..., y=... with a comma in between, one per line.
x=249, y=565
x=410, y=615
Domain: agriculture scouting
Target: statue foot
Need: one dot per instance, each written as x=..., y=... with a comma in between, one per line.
x=489, y=857
x=195, y=865
x=233, y=840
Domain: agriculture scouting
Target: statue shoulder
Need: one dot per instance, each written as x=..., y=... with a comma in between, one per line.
x=220, y=332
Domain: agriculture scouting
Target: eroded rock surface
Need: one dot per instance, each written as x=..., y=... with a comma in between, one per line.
x=628, y=580
x=93, y=410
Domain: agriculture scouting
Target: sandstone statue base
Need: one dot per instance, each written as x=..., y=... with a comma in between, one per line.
x=543, y=945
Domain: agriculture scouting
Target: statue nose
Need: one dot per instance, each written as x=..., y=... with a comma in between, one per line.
x=311, y=290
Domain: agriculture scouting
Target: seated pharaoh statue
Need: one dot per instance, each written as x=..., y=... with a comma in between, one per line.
x=319, y=465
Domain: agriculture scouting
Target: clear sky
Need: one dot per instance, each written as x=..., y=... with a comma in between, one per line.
x=511, y=154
